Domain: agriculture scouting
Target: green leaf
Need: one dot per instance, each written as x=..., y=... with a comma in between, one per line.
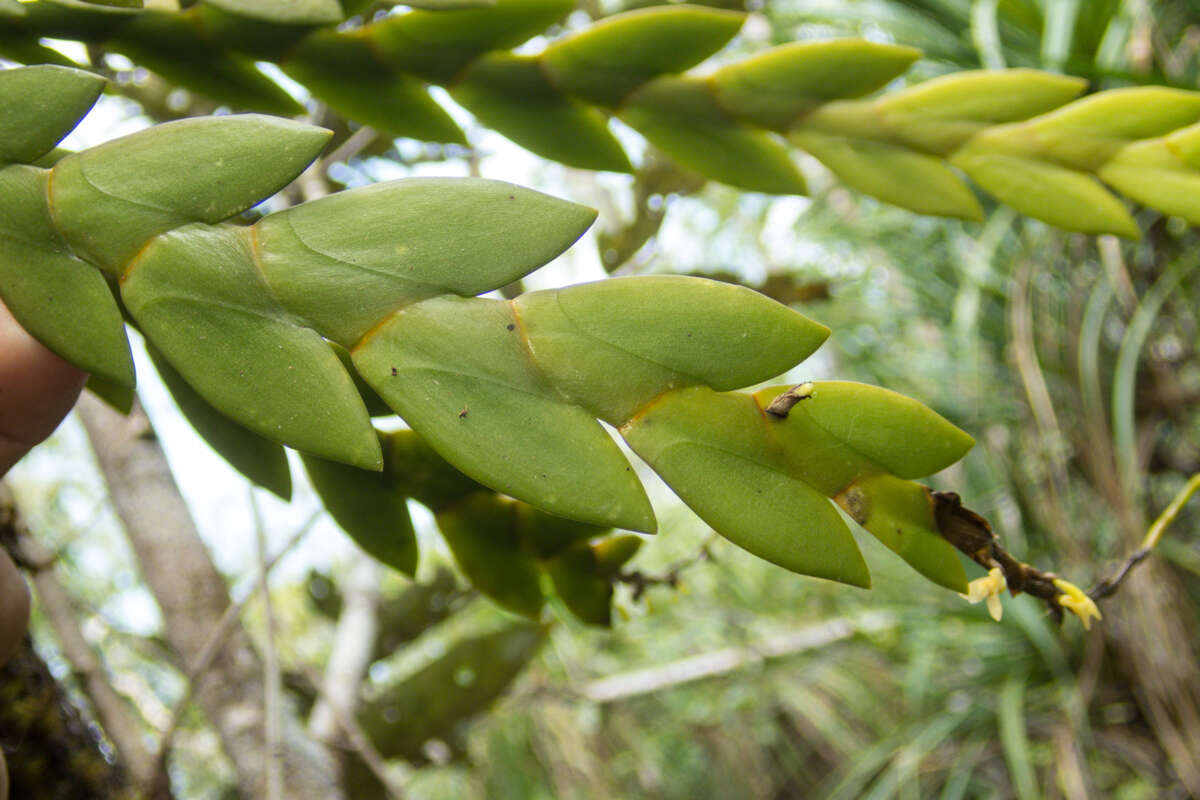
x=367, y=507
x=117, y=395
x=39, y=106
x=1088, y=132
x=939, y=115
x=457, y=370
x=434, y=700
x=577, y=580
x=12, y=9
x=896, y=175
x=449, y=5
x=481, y=532
x=437, y=46
x=110, y=199
x=63, y=302
x=112, y=6
x=198, y=296
x=284, y=12
x=371, y=399
x=613, y=553
x=417, y=471
x=262, y=461
x=1063, y=197
x=659, y=333
x=899, y=514
x=546, y=535
x=512, y=95
x=346, y=261
x=172, y=45
x=773, y=88
x=342, y=70
x=1152, y=174
x=712, y=450
x=607, y=61
x=681, y=117
x=895, y=432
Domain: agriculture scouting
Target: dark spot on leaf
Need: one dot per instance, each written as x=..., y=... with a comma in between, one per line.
x=463, y=414
x=511, y=326
x=394, y=372
x=512, y=197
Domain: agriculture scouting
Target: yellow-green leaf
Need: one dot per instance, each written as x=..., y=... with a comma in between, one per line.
x=110, y=199
x=481, y=532
x=343, y=70
x=1063, y=197
x=198, y=297
x=894, y=174
x=612, y=57
x=512, y=95
x=681, y=117
x=64, y=302
x=659, y=333
x=457, y=370
x=773, y=88
x=39, y=106
x=712, y=450
x=899, y=514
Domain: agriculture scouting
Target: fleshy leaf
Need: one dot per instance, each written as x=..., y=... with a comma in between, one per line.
x=939, y=115
x=418, y=472
x=346, y=261
x=457, y=370
x=897, y=433
x=482, y=533
x=367, y=507
x=512, y=95
x=437, y=46
x=197, y=295
x=290, y=12
x=342, y=70
x=63, y=302
x=1152, y=174
x=437, y=698
x=39, y=106
x=681, y=117
x=659, y=333
x=616, y=55
x=773, y=88
x=896, y=175
x=712, y=450
x=110, y=199
x=577, y=580
x=1063, y=197
x=1088, y=132
x=170, y=44
x=262, y=461
x=899, y=514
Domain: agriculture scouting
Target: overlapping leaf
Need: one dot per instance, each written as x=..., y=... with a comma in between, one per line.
x=508, y=392
x=1015, y=133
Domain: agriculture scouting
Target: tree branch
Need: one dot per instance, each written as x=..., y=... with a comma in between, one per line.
x=193, y=597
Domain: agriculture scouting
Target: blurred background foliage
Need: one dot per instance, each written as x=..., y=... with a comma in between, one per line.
x=1074, y=361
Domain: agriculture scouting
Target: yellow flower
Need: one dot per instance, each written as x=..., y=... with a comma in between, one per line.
x=989, y=588
x=1074, y=600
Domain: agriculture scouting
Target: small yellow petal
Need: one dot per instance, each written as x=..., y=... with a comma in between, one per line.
x=1074, y=600
x=988, y=588
x=994, y=607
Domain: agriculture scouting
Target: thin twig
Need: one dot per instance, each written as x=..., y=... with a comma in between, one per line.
x=212, y=646
x=640, y=581
x=359, y=742
x=1110, y=585
x=272, y=689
